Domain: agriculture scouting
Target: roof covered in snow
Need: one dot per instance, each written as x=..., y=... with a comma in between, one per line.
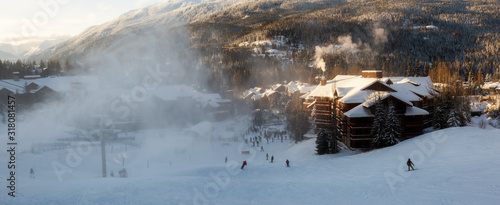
x=491, y=85
x=354, y=89
x=294, y=86
x=359, y=111
x=58, y=84
x=411, y=111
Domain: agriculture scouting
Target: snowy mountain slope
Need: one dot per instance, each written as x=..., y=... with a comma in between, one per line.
x=157, y=18
x=7, y=56
x=23, y=49
x=454, y=166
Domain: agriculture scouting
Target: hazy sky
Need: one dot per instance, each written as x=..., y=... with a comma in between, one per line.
x=31, y=19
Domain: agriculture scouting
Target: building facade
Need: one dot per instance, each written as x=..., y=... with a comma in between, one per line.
x=352, y=98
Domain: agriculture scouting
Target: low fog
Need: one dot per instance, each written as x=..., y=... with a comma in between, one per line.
x=146, y=92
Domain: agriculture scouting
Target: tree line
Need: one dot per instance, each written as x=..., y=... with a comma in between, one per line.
x=24, y=67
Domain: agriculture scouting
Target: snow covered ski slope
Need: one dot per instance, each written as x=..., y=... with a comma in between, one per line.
x=454, y=166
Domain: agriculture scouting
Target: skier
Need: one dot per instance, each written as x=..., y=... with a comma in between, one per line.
x=272, y=159
x=267, y=156
x=257, y=143
x=410, y=164
x=261, y=148
x=226, y=160
x=287, y=163
x=32, y=173
x=244, y=164
x=253, y=144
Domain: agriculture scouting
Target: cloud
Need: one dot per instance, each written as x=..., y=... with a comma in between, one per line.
x=142, y=3
x=380, y=36
x=105, y=6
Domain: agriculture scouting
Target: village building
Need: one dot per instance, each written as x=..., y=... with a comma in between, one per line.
x=492, y=88
x=352, y=99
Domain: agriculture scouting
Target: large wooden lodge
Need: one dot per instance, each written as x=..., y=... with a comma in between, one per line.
x=353, y=99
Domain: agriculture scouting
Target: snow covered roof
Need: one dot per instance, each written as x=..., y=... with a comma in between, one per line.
x=255, y=93
x=359, y=111
x=373, y=97
x=32, y=76
x=173, y=92
x=257, y=96
x=208, y=99
x=411, y=111
x=323, y=91
x=491, y=85
x=306, y=96
x=276, y=86
x=10, y=86
x=355, y=89
x=251, y=92
x=307, y=89
x=58, y=84
x=342, y=91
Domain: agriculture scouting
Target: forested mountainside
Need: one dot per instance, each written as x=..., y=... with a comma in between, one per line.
x=239, y=44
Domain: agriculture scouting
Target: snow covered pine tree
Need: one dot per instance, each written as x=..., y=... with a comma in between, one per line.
x=378, y=126
x=322, y=143
x=439, y=118
x=392, y=127
x=453, y=119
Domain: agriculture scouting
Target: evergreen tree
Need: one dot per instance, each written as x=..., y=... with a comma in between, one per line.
x=378, y=126
x=299, y=125
x=439, y=119
x=453, y=119
x=464, y=110
x=322, y=143
x=392, y=127
x=297, y=121
x=42, y=64
x=258, y=118
x=333, y=136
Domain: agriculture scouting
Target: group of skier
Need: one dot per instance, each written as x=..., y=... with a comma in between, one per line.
x=267, y=158
x=280, y=135
x=272, y=159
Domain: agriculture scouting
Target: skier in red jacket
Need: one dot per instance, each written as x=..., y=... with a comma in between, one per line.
x=244, y=164
x=287, y=163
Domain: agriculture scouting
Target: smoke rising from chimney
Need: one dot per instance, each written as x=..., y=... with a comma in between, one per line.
x=319, y=62
x=345, y=44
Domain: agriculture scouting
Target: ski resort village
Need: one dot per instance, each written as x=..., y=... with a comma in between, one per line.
x=250, y=102
x=329, y=134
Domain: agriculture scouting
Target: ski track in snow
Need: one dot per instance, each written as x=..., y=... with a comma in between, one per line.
x=462, y=169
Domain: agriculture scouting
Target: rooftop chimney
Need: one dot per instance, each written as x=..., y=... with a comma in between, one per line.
x=322, y=81
x=16, y=76
x=371, y=74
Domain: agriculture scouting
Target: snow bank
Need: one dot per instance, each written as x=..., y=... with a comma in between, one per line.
x=453, y=166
